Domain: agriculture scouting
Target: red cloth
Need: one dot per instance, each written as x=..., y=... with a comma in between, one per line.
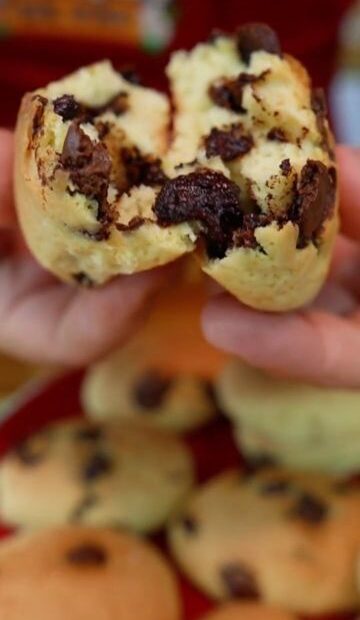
x=307, y=29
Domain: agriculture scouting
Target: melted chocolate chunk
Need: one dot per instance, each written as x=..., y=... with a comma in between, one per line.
x=319, y=107
x=228, y=93
x=39, y=114
x=275, y=487
x=93, y=433
x=88, y=554
x=256, y=463
x=277, y=135
x=83, y=279
x=239, y=581
x=130, y=74
x=28, y=454
x=89, y=166
x=189, y=524
x=142, y=169
x=245, y=236
x=315, y=200
x=88, y=502
x=98, y=465
x=257, y=37
x=228, y=143
x=67, y=107
x=205, y=196
x=151, y=388
x=310, y=509
x=285, y=167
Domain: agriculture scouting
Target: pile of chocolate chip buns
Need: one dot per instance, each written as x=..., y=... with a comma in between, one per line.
x=246, y=181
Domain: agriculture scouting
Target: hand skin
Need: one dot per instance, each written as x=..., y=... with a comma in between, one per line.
x=44, y=320
x=321, y=343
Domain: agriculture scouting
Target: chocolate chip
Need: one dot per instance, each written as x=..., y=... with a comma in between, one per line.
x=239, y=581
x=88, y=554
x=130, y=75
x=256, y=37
x=142, y=169
x=83, y=279
x=256, y=463
x=92, y=433
x=205, y=196
x=88, y=502
x=28, y=453
x=285, y=167
x=277, y=135
x=310, y=509
x=275, y=487
x=67, y=107
x=228, y=93
x=245, y=236
x=118, y=105
x=97, y=466
x=89, y=164
x=41, y=103
x=189, y=524
x=319, y=107
x=315, y=200
x=228, y=143
x=151, y=388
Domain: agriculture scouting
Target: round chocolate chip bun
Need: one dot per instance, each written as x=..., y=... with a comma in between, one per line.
x=121, y=475
x=248, y=178
x=81, y=573
x=296, y=424
x=288, y=539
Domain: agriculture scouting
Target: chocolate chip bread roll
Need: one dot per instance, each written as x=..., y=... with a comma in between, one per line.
x=261, y=186
x=87, y=173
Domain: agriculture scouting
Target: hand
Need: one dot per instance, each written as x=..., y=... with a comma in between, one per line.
x=44, y=320
x=321, y=343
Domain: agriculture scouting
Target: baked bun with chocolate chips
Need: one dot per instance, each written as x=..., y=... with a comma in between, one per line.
x=249, y=177
x=288, y=538
x=261, y=185
x=82, y=573
x=87, y=172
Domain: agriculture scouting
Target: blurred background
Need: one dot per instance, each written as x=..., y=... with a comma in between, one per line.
x=41, y=40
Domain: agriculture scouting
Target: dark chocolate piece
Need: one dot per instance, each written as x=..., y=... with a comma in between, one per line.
x=319, y=107
x=41, y=103
x=205, y=196
x=310, y=509
x=315, y=200
x=87, y=555
x=239, y=581
x=27, y=453
x=245, y=236
x=256, y=37
x=228, y=93
x=277, y=135
x=67, y=107
x=189, y=524
x=98, y=465
x=142, y=169
x=134, y=223
x=151, y=388
x=83, y=279
x=285, y=167
x=228, y=143
x=92, y=433
x=256, y=463
x=275, y=486
x=78, y=514
x=130, y=74
x=89, y=164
